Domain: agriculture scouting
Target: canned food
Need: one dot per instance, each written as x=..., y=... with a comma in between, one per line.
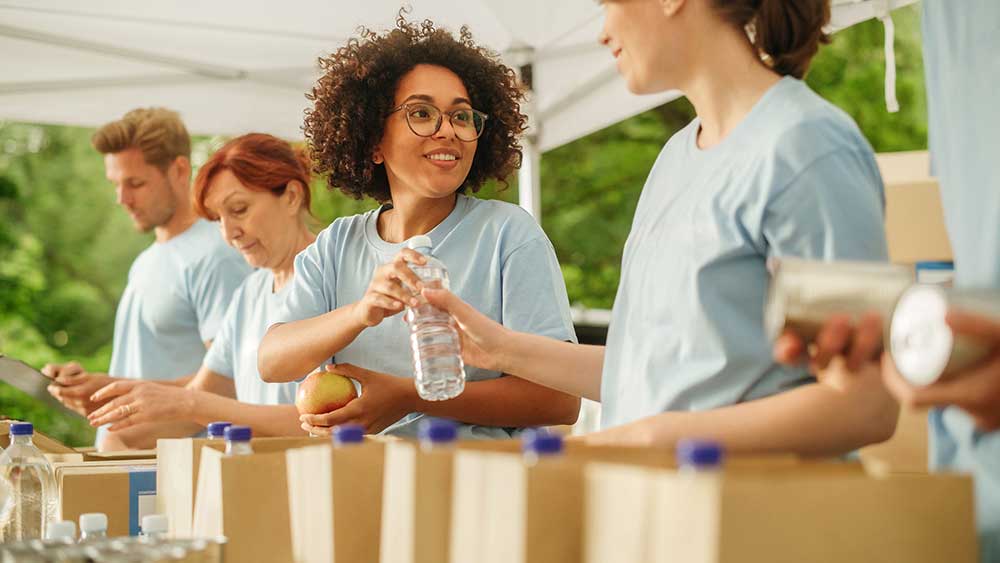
x=922, y=344
x=804, y=294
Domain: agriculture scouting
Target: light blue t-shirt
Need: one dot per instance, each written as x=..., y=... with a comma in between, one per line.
x=794, y=178
x=962, y=68
x=174, y=301
x=499, y=261
x=234, y=351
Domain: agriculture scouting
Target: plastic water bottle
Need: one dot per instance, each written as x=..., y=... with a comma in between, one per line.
x=699, y=456
x=32, y=486
x=539, y=446
x=238, y=440
x=93, y=527
x=347, y=435
x=154, y=527
x=437, y=434
x=437, y=354
x=62, y=531
x=6, y=502
x=217, y=430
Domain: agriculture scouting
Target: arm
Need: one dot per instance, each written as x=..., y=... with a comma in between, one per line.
x=291, y=350
x=842, y=412
x=571, y=368
x=505, y=401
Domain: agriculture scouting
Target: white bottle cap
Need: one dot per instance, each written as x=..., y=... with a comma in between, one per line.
x=64, y=529
x=419, y=241
x=93, y=522
x=154, y=524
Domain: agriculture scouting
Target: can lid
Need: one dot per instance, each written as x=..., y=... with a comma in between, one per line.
x=348, y=434
x=93, y=522
x=920, y=340
x=418, y=242
x=154, y=524
x=438, y=430
x=64, y=529
x=541, y=442
x=699, y=453
x=238, y=434
x=218, y=429
x=22, y=429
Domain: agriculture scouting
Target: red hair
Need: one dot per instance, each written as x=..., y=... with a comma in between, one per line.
x=260, y=162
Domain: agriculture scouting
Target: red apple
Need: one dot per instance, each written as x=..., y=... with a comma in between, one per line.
x=323, y=392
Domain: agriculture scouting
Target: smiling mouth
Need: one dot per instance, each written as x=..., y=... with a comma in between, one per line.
x=439, y=157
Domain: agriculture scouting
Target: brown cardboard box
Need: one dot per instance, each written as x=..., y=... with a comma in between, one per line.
x=43, y=442
x=652, y=515
x=914, y=220
x=245, y=499
x=335, y=502
x=124, y=490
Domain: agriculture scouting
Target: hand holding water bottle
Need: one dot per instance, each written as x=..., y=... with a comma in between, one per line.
x=391, y=290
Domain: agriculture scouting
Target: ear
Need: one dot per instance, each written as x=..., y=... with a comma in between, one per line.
x=671, y=7
x=180, y=170
x=377, y=157
x=294, y=195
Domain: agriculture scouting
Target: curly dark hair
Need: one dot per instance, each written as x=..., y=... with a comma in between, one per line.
x=357, y=90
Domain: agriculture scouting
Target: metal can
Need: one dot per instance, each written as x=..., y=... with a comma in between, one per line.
x=804, y=294
x=923, y=346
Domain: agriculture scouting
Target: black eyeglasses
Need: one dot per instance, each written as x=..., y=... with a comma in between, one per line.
x=425, y=120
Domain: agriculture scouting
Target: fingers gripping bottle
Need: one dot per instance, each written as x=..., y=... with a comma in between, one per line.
x=437, y=354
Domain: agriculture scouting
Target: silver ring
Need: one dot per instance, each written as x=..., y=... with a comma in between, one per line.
x=127, y=409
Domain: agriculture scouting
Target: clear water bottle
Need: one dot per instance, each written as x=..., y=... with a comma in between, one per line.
x=699, y=456
x=217, y=430
x=63, y=530
x=93, y=527
x=238, y=440
x=437, y=434
x=154, y=527
x=6, y=502
x=437, y=354
x=32, y=486
x=541, y=445
x=346, y=435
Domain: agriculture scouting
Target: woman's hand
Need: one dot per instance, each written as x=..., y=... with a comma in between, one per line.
x=483, y=338
x=384, y=400
x=131, y=401
x=393, y=287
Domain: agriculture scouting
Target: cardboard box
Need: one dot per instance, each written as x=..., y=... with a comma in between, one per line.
x=245, y=499
x=45, y=443
x=124, y=490
x=335, y=502
x=652, y=515
x=914, y=220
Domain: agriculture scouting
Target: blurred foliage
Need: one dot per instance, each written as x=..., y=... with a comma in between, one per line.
x=65, y=248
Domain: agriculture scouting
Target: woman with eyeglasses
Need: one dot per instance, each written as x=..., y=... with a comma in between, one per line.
x=766, y=169
x=416, y=119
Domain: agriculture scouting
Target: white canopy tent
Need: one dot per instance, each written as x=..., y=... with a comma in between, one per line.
x=233, y=66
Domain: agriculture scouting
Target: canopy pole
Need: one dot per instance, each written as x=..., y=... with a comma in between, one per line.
x=529, y=178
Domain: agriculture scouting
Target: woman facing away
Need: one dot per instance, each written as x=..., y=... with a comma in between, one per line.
x=416, y=119
x=766, y=169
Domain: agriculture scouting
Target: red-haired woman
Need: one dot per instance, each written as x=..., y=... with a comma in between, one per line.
x=257, y=187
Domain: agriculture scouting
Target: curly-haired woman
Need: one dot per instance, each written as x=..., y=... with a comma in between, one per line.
x=415, y=119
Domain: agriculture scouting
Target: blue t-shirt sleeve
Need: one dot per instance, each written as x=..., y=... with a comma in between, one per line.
x=313, y=286
x=832, y=209
x=534, y=293
x=221, y=356
x=213, y=281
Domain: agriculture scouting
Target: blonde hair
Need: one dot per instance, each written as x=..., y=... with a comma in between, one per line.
x=158, y=132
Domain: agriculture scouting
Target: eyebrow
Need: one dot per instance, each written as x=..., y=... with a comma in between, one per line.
x=426, y=98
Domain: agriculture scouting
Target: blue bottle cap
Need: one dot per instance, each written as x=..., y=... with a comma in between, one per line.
x=238, y=434
x=437, y=430
x=935, y=265
x=218, y=429
x=21, y=429
x=348, y=434
x=699, y=453
x=541, y=442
